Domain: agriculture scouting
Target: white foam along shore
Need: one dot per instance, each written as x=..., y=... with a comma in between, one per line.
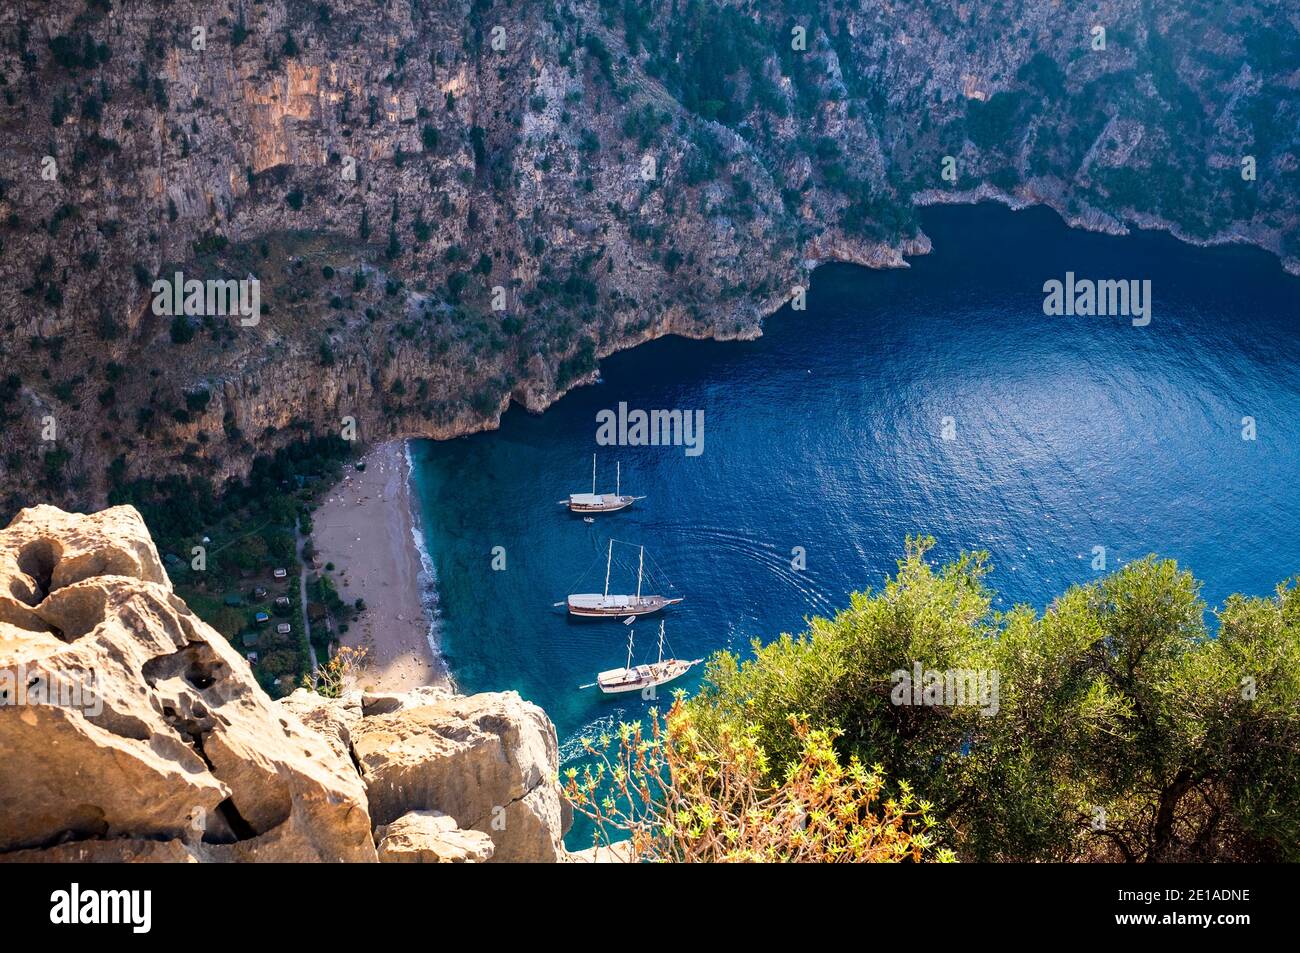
x=367, y=527
x=428, y=574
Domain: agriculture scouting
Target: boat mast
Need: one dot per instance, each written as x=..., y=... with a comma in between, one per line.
x=639, y=565
x=593, y=474
x=661, y=642
x=608, y=560
x=628, y=666
x=618, y=479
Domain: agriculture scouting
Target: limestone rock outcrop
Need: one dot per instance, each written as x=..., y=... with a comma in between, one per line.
x=489, y=761
x=132, y=731
x=125, y=716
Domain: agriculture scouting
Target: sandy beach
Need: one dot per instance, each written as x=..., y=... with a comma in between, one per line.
x=363, y=527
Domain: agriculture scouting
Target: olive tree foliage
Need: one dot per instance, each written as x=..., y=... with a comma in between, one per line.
x=1125, y=727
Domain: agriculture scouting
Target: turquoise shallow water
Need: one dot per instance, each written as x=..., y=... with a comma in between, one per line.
x=1071, y=432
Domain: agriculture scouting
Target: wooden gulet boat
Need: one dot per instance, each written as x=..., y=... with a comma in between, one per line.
x=597, y=605
x=594, y=502
x=619, y=681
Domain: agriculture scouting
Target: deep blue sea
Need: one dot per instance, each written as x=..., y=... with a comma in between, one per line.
x=827, y=434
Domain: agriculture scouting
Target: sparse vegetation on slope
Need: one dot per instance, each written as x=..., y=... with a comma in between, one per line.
x=502, y=198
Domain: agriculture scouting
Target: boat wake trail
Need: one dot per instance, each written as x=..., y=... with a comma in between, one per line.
x=819, y=599
x=572, y=748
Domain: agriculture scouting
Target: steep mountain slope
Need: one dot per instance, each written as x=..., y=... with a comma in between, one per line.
x=448, y=206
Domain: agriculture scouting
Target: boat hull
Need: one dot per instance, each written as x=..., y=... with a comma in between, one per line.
x=602, y=609
x=621, y=681
x=609, y=503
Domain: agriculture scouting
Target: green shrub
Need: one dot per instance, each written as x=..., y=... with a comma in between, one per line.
x=182, y=331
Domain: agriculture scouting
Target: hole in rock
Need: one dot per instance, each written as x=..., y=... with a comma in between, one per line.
x=197, y=664
x=238, y=827
x=38, y=559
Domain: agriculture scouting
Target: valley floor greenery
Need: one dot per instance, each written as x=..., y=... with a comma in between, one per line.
x=247, y=530
x=1127, y=729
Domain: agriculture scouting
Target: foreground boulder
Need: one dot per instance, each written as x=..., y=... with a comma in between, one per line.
x=124, y=718
x=430, y=837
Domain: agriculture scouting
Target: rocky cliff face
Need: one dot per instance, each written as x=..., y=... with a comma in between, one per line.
x=130, y=730
x=449, y=206
x=475, y=774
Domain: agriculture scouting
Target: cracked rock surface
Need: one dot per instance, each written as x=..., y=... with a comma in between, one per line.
x=488, y=761
x=152, y=727
x=132, y=731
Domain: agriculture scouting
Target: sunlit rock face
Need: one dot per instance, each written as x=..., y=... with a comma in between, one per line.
x=130, y=718
x=131, y=731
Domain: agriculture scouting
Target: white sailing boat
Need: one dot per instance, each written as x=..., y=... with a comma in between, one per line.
x=604, y=605
x=594, y=502
x=617, y=681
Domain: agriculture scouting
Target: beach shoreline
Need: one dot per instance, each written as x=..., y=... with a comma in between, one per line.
x=368, y=529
